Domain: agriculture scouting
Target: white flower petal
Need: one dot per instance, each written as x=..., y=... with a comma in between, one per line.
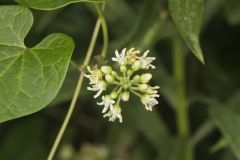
x=149, y=101
x=89, y=69
x=98, y=93
x=120, y=58
x=107, y=102
x=145, y=53
x=114, y=113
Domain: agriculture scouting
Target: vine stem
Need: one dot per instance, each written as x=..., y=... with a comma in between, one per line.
x=76, y=92
x=104, y=30
x=182, y=109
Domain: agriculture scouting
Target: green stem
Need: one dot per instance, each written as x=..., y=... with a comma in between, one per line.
x=116, y=82
x=92, y=44
x=104, y=30
x=67, y=118
x=76, y=92
x=136, y=93
x=182, y=109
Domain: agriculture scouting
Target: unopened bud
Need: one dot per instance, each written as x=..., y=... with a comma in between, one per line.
x=114, y=73
x=142, y=87
x=125, y=86
x=114, y=95
x=123, y=69
x=109, y=78
x=136, y=78
x=125, y=96
x=145, y=78
x=136, y=65
x=129, y=72
x=106, y=69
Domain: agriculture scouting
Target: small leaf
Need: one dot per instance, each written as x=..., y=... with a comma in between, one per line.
x=51, y=4
x=187, y=16
x=29, y=77
x=220, y=144
x=228, y=122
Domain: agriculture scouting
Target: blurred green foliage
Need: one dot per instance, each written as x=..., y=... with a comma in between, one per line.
x=144, y=24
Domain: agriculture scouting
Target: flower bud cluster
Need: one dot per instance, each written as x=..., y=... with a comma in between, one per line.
x=127, y=78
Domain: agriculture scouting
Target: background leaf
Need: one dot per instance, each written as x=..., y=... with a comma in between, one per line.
x=187, y=16
x=29, y=77
x=28, y=134
x=232, y=11
x=228, y=122
x=51, y=4
x=172, y=150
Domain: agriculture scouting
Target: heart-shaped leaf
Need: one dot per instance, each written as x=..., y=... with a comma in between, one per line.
x=51, y=4
x=187, y=16
x=29, y=77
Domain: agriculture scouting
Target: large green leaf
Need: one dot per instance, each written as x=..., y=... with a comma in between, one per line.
x=187, y=16
x=228, y=122
x=51, y=4
x=29, y=77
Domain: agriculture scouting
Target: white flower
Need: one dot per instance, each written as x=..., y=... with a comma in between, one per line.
x=100, y=86
x=132, y=55
x=120, y=58
x=114, y=113
x=149, y=101
x=107, y=102
x=152, y=90
x=146, y=61
x=95, y=75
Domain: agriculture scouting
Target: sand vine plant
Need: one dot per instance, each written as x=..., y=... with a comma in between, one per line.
x=33, y=76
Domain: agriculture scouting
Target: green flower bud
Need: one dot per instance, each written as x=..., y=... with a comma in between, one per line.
x=114, y=73
x=136, y=78
x=104, y=84
x=118, y=109
x=109, y=78
x=114, y=95
x=106, y=69
x=145, y=78
x=142, y=87
x=129, y=72
x=125, y=96
x=123, y=69
x=129, y=84
x=125, y=86
x=136, y=65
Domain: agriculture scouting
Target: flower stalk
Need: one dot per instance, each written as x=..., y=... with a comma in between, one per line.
x=76, y=92
x=182, y=108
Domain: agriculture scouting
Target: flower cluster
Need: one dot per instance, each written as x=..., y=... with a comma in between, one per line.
x=126, y=79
